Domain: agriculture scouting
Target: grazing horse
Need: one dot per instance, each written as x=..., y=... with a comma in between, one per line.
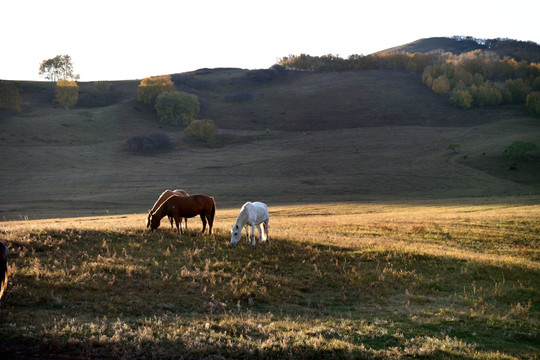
x=3, y=269
x=254, y=214
x=164, y=196
x=185, y=207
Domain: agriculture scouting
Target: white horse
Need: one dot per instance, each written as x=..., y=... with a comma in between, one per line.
x=251, y=214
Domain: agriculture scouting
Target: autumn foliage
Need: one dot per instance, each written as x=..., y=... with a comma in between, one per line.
x=476, y=78
x=9, y=96
x=151, y=87
x=66, y=93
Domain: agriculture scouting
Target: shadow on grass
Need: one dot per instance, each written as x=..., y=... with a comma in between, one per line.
x=85, y=293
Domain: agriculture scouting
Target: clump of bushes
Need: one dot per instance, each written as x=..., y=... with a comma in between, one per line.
x=201, y=130
x=177, y=107
x=147, y=144
x=533, y=103
x=519, y=150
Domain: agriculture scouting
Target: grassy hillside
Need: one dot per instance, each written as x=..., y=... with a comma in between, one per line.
x=317, y=137
x=459, y=280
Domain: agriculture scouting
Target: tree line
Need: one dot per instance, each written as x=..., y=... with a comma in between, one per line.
x=473, y=79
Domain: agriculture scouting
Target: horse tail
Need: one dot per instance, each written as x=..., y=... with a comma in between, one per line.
x=3, y=269
x=212, y=214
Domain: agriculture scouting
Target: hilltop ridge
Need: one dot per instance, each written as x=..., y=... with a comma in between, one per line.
x=519, y=50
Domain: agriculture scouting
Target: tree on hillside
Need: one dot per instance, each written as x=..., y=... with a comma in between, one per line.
x=461, y=98
x=441, y=85
x=533, y=103
x=517, y=90
x=9, y=96
x=59, y=67
x=518, y=150
x=177, y=107
x=151, y=87
x=66, y=93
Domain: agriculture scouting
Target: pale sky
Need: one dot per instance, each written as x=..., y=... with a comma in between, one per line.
x=124, y=40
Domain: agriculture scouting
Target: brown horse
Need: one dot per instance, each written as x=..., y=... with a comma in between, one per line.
x=185, y=207
x=3, y=269
x=164, y=196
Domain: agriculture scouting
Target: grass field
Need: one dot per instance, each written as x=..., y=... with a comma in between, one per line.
x=459, y=280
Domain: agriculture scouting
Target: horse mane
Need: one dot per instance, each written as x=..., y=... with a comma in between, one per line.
x=243, y=215
x=163, y=203
x=159, y=201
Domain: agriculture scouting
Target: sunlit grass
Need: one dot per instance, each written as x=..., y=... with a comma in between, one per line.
x=336, y=280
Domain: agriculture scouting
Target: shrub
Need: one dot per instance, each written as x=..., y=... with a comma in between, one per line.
x=149, y=143
x=518, y=150
x=9, y=96
x=152, y=87
x=201, y=130
x=177, y=107
x=533, y=103
x=66, y=93
x=454, y=147
x=102, y=86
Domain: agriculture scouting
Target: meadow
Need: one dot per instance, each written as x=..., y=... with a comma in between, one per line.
x=383, y=243
x=336, y=280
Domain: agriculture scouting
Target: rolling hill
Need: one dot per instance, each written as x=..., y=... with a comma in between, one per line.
x=285, y=137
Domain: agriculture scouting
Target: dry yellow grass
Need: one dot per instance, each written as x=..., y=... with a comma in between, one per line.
x=337, y=280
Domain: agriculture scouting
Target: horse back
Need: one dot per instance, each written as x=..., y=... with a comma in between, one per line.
x=191, y=205
x=180, y=192
x=257, y=212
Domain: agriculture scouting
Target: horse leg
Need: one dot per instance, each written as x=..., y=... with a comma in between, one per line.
x=261, y=234
x=247, y=233
x=178, y=221
x=210, y=224
x=185, y=220
x=253, y=234
x=171, y=220
x=266, y=231
x=203, y=219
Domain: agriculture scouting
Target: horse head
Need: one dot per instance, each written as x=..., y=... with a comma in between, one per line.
x=148, y=219
x=152, y=221
x=236, y=233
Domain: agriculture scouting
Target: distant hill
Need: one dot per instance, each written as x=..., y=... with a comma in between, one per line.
x=519, y=50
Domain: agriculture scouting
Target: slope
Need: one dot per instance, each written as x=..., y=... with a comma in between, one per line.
x=299, y=137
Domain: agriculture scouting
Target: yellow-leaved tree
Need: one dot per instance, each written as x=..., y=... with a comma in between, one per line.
x=151, y=87
x=66, y=93
x=9, y=96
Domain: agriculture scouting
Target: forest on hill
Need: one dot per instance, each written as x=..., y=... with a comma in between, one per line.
x=471, y=72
